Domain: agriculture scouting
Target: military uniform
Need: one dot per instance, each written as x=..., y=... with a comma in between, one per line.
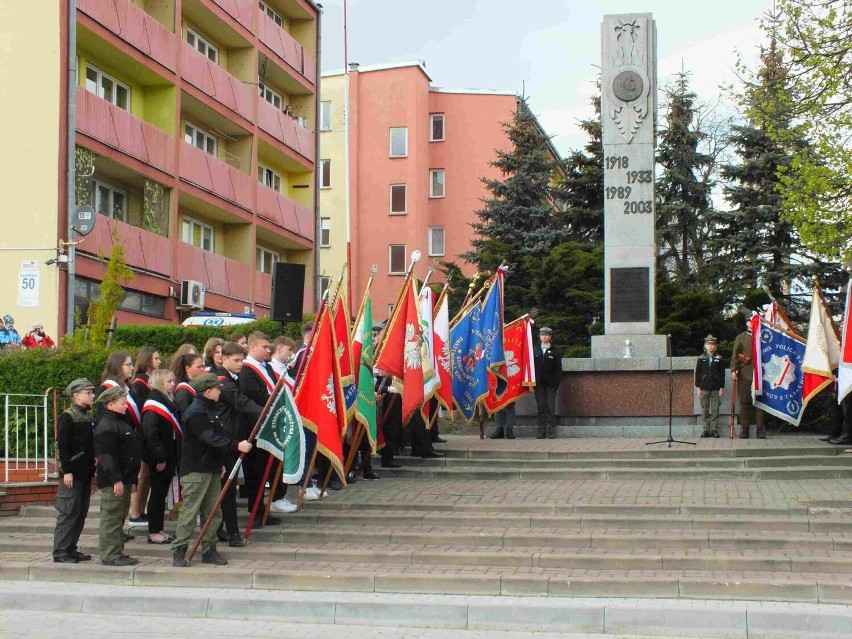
x=742, y=364
x=709, y=380
x=548, y=373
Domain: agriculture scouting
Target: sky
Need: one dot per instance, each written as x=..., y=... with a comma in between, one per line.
x=547, y=49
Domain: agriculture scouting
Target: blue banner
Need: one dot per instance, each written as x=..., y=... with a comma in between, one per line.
x=469, y=369
x=491, y=334
x=781, y=377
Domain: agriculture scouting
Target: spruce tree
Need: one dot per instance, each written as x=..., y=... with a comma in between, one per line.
x=684, y=187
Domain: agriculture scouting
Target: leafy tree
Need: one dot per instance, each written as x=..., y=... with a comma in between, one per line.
x=816, y=187
x=684, y=187
x=101, y=309
x=516, y=224
x=580, y=192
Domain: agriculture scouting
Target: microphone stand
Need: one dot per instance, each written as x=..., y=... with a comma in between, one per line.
x=670, y=439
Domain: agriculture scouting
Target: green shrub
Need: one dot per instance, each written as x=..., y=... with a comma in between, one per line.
x=32, y=372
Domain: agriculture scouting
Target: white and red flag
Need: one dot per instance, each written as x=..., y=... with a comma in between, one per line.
x=844, y=374
x=822, y=352
x=441, y=328
x=520, y=367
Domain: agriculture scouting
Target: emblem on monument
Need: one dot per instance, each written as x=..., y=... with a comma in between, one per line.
x=629, y=88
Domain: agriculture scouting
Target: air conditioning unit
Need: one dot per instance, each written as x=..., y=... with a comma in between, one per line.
x=191, y=294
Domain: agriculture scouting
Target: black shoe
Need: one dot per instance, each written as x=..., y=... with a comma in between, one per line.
x=827, y=438
x=236, y=540
x=121, y=560
x=510, y=435
x=541, y=436
x=80, y=556
x=496, y=435
x=127, y=536
x=65, y=559
x=761, y=436
x=715, y=434
x=391, y=465
x=351, y=477
x=334, y=484
x=552, y=435
x=705, y=434
x=270, y=521
x=222, y=536
x=371, y=475
x=213, y=557
x=432, y=455
x=841, y=441
x=439, y=440
x=179, y=558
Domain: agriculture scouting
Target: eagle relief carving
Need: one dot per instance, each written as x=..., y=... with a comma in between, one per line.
x=628, y=87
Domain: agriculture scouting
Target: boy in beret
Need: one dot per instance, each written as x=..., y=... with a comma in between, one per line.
x=75, y=446
x=205, y=447
x=710, y=386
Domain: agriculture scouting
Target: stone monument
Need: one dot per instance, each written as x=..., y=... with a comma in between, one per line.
x=628, y=118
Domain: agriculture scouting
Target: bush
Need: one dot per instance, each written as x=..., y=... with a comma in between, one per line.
x=167, y=339
x=32, y=372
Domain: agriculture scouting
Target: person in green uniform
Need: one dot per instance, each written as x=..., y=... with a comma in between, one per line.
x=710, y=386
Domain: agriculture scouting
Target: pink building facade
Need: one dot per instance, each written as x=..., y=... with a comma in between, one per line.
x=417, y=156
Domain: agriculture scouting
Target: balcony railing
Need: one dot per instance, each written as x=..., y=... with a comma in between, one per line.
x=239, y=10
x=262, y=288
x=142, y=248
x=211, y=79
x=284, y=212
x=219, y=274
x=214, y=176
x=285, y=129
x=120, y=130
x=134, y=26
x=286, y=47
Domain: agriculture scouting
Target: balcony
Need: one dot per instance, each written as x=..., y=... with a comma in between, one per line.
x=219, y=274
x=285, y=129
x=134, y=26
x=285, y=213
x=286, y=47
x=142, y=248
x=211, y=79
x=214, y=176
x=239, y=10
x=262, y=288
x=120, y=130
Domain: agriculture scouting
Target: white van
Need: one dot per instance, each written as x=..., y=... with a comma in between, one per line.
x=219, y=320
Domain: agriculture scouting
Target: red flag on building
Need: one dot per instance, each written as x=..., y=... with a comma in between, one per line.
x=401, y=353
x=518, y=347
x=319, y=396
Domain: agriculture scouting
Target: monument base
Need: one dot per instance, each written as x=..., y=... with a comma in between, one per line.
x=612, y=346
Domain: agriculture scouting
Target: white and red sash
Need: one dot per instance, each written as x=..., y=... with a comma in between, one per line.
x=143, y=380
x=261, y=371
x=132, y=408
x=163, y=411
x=185, y=386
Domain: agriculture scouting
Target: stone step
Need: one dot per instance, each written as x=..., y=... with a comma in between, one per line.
x=760, y=560
x=455, y=580
x=219, y=612
x=399, y=517
x=601, y=474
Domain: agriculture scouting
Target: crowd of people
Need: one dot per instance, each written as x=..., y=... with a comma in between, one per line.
x=34, y=338
x=157, y=438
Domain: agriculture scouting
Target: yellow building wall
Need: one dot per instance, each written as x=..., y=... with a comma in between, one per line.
x=30, y=73
x=333, y=200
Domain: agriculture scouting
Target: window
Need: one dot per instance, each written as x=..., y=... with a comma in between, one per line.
x=197, y=233
x=268, y=177
x=325, y=282
x=108, y=88
x=397, y=259
x=399, y=142
x=200, y=139
x=325, y=174
x=274, y=15
x=436, y=183
x=110, y=201
x=436, y=240
x=437, y=128
x=325, y=231
x=135, y=301
x=265, y=259
x=325, y=116
x=202, y=46
x=398, y=199
x=273, y=97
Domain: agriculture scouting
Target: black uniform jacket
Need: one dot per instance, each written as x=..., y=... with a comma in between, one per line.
x=548, y=366
x=75, y=442
x=205, y=444
x=159, y=440
x=117, y=449
x=235, y=409
x=709, y=372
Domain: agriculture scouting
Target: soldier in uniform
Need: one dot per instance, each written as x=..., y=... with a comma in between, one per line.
x=76, y=449
x=742, y=372
x=548, y=372
x=710, y=386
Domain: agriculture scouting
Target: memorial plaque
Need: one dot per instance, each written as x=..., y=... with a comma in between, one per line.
x=629, y=295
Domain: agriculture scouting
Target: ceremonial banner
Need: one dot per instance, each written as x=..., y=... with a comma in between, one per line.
x=844, y=374
x=822, y=353
x=469, y=370
x=442, y=353
x=492, y=333
x=431, y=381
x=365, y=408
x=319, y=396
x=343, y=348
x=778, y=370
x=283, y=435
x=518, y=346
x=402, y=353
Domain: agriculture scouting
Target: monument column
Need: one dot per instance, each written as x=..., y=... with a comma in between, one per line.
x=628, y=119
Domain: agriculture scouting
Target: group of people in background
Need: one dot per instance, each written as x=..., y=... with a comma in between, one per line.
x=156, y=437
x=34, y=338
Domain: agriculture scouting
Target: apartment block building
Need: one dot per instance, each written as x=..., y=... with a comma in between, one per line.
x=195, y=146
x=417, y=153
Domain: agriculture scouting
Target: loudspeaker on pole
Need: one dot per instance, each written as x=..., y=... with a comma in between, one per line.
x=288, y=290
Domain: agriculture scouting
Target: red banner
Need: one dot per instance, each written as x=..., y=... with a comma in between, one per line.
x=517, y=345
